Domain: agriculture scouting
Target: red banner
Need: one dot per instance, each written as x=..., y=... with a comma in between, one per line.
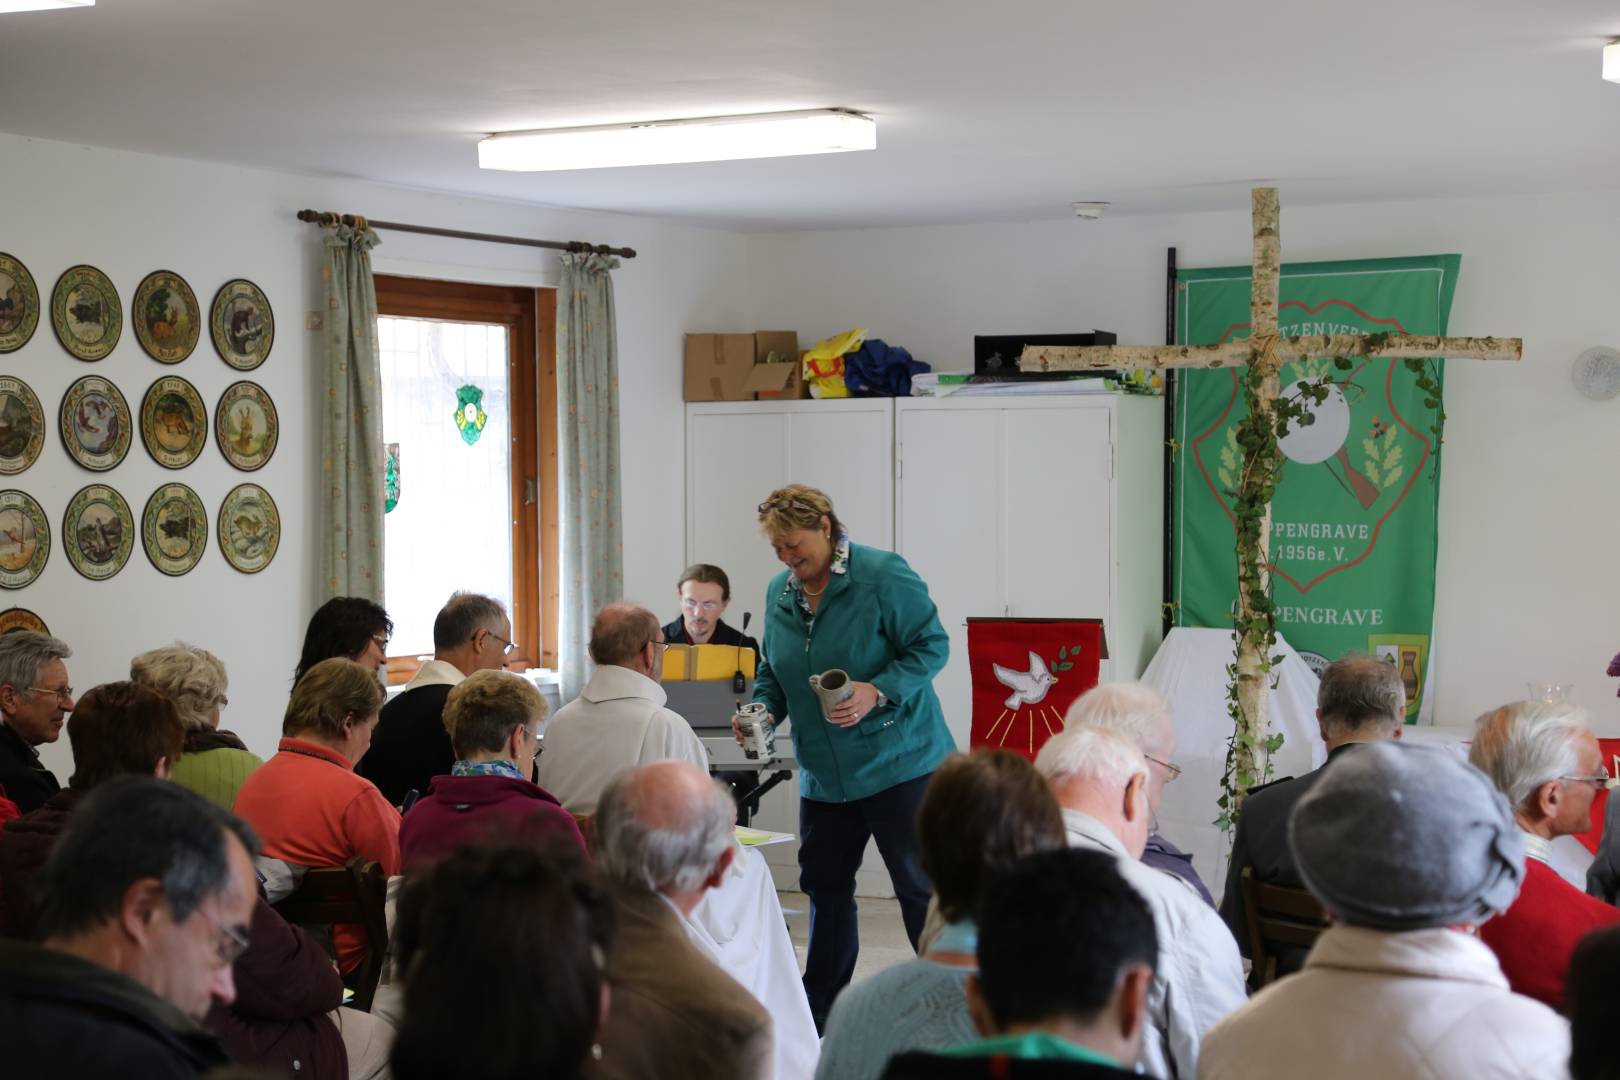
x=1026, y=674
x=1611, y=761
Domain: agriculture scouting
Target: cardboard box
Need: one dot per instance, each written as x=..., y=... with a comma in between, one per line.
x=743, y=367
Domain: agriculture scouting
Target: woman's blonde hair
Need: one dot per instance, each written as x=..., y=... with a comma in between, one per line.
x=482, y=710
x=194, y=679
x=331, y=692
x=797, y=506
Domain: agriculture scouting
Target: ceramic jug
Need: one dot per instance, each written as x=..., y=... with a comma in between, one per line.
x=832, y=687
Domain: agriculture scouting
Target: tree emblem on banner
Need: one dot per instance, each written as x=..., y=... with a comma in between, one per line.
x=470, y=415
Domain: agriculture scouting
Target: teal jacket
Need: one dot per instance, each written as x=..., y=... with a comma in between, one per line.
x=876, y=622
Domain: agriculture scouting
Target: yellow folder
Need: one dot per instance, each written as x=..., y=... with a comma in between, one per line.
x=683, y=663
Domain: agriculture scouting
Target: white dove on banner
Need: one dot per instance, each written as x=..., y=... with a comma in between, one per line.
x=1028, y=688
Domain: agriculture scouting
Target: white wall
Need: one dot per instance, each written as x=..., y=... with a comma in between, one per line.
x=130, y=214
x=1528, y=513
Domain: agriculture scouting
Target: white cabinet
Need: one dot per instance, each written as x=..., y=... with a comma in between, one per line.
x=1034, y=507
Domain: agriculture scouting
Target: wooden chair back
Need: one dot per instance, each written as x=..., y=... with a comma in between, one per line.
x=1277, y=918
x=356, y=894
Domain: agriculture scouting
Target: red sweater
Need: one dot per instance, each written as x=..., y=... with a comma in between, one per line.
x=310, y=809
x=1535, y=938
x=461, y=810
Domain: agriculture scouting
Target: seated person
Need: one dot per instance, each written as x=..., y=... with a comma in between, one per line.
x=663, y=839
x=348, y=626
x=410, y=746
x=619, y=719
x=502, y=952
x=980, y=814
x=1102, y=780
x=705, y=593
x=494, y=719
x=1409, y=849
x=1360, y=699
x=215, y=762
x=146, y=902
x=1547, y=762
x=306, y=802
x=34, y=699
x=1065, y=958
x=1592, y=1001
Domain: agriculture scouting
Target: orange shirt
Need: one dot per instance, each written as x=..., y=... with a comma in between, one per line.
x=310, y=809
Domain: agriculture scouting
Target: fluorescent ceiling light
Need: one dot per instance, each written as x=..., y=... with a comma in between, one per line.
x=42, y=5
x=670, y=142
x=1611, y=61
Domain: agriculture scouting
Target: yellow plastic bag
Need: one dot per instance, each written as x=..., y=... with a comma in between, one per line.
x=824, y=364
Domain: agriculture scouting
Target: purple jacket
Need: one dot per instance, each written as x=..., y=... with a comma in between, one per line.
x=459, y=810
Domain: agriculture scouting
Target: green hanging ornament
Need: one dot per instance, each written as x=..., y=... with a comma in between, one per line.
x=390, y=477
x=470, y=415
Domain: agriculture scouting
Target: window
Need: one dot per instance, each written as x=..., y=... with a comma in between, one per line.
x=467, y=373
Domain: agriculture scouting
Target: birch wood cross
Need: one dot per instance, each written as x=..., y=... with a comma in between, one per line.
x=1263, y=354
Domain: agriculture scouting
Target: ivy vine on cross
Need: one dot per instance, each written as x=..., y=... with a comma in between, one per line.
x=1262, y=354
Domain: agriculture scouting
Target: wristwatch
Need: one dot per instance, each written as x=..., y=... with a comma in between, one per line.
x=882, y=701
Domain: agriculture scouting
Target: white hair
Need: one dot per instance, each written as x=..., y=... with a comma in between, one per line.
x=194, y=679
x=1523, y=745
x=676, y=851
x=1132, y=709
x=1090, y=753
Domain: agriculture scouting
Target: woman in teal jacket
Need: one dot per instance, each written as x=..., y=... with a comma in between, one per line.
x=864, y=768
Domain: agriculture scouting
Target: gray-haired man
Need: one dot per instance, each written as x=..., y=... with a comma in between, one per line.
x=664, y=838
x=1360, y=700
x=35, y=699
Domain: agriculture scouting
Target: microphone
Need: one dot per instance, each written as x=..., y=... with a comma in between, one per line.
x=738, y=683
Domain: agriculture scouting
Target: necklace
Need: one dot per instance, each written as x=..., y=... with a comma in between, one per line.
x=818, y=592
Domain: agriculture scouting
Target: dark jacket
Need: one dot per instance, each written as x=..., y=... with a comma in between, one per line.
x=458, y=810
x=410, y=746
x=1161, y=854
x=920, y=1065
x=26, y=780
x=61, y=1016
x=675, y=634
x=285, y=982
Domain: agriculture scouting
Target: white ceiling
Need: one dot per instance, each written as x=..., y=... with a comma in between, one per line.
x=987, y=111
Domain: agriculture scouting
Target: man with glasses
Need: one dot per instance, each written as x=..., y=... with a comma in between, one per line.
x=705, y=593
x=1544, y=758
x=410, y=746
x=35, y=699
x=146, y=903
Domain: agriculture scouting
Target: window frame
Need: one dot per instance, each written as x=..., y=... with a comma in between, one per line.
x=530, y=316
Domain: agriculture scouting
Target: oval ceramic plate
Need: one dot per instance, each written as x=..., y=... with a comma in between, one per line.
x=22, y=426
x=245, y=425
x=174, y=529
x=174, y=424
x=249, y=528
x=241, y=324
x=25, y=539
x=95, y=423
x=20, y=618
x=19, y=304
x=167, y=318
x=86, y=313
x=98, y=531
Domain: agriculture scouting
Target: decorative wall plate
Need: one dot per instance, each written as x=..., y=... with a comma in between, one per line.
x=174, y=529
x=25, y=539
x=174, y=424
x=167, y=317
x=22, y=426
x=19, y=304
x=20, y=618
x=245, y=425
x=241, y=324
x=249, y=528
x=86, y=313
x=98, y=531
x=95, y=423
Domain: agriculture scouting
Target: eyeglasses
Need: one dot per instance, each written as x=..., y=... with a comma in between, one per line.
x=230, y=942
x=507, y=648
x=63, y=694
x=382, y=642
x=661, y=644
x=788, y=504
x=1171, y=770
x=1600, y=780
x=709, y=607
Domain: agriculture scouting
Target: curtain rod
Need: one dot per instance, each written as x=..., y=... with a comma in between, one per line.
x=328, y=220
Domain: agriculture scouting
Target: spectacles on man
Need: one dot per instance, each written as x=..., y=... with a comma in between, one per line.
x=507, y=647
x=708, y=607
x=661, y=644
x=1601, y=780
x=230, y=942
x=64, y=693
x=1171, y=770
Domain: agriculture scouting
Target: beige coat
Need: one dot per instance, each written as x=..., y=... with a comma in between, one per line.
x=674, y=1015
x=1419, y=1005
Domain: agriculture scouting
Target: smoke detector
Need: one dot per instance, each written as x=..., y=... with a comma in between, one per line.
x=1088, y=211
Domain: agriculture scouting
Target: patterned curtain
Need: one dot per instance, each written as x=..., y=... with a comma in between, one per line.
x=588, y=448
x=352, y=464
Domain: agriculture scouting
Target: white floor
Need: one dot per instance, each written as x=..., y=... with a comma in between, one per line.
x=883, y=935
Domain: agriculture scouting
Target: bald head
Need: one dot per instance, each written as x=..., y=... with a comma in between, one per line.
x=665, y=826
x=621, y=635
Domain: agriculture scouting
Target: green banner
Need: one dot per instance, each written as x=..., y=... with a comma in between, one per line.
x=1353, y=522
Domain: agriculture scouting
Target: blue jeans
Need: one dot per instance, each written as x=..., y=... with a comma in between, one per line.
x=832, y=840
